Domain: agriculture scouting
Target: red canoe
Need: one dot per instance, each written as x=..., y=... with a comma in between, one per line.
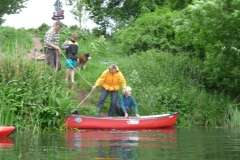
x=6, y=130
x=143, y=122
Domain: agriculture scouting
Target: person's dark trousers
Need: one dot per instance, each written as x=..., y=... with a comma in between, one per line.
x=120, y=111
x=113, y=96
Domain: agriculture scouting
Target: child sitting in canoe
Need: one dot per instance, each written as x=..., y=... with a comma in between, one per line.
x=126, y=102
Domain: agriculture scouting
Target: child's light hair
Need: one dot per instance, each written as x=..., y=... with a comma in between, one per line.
x=75, y=35
x=128, y=89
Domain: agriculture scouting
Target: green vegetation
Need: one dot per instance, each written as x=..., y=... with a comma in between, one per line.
x=31, y=96
x=178, y=58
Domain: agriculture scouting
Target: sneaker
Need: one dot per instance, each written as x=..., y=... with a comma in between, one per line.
x=74, y=83
x=75, y=112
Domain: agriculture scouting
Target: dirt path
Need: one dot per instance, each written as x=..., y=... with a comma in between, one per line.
x=36, y=41
x=37, y=45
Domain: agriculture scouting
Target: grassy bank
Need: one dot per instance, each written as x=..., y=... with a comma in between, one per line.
x=34, y=97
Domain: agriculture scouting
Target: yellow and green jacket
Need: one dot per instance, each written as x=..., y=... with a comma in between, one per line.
x=71, y=48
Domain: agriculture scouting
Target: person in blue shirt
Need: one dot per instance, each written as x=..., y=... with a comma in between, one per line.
x=126, y=102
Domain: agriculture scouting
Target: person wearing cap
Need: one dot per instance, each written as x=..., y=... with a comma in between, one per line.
x=51, y=49
x=126, y=102
x=71, y=47
x=110, y=80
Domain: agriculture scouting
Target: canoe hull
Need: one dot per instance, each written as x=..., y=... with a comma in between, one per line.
x=6, y=130
x=144, y=122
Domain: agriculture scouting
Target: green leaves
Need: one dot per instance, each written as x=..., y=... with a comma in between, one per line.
x=111, y=13
x=10, y=7
x=99, y=46
x=165, y=83
x=32, y=95
x=150, y=31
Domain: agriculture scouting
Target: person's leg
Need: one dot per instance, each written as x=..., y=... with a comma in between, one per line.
x=72, y=75
x=119, y=110
x=128, y=109
x=49, y=57
x=67, y=73
x=74, y=65
x=58, y=64
x=102, y=99
x=114, y=97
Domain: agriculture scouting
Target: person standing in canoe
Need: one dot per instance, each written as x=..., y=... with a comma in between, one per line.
x=126, y=102
x=111, y=79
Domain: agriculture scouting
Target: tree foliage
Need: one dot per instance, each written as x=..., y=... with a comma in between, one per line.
x=151, y=30
x=206, y=29
x=10, y=7
x=115, y=13
x=213, y=26
x=118, y=14
x=175, y=5
x=77, y=10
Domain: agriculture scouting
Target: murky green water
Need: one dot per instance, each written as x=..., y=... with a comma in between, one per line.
x=164, y=144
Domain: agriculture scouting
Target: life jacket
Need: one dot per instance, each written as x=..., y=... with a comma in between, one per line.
x=72, y=50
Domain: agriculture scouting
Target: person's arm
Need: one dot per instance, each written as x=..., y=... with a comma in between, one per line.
x=100, y=80
x=65, y=45
x=135, y=106
x=121, y=103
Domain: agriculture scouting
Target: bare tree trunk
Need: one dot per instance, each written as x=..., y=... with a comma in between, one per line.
x=80, y=20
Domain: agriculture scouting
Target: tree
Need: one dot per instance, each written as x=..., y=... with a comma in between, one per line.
x=115, y=13
x=150, y=31
x=178, y=5
x=10, y=7
x=77, y=10
x=213, y=25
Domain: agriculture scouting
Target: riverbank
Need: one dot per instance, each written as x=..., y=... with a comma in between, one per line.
x=37, y=98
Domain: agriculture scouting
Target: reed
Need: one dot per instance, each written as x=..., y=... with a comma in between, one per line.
x=32, y=97
x=232, y=117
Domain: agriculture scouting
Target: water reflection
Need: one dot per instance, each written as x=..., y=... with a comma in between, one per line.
x=121, y=143
x=197, y=143
x=6, y=143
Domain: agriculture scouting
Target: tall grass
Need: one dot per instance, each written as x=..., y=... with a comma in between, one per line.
x=33, y=96
x=14, y=41
x=165, y=83
x=232, y=117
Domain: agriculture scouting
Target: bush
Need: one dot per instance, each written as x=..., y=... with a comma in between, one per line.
x=44, y=27
x=150, y=31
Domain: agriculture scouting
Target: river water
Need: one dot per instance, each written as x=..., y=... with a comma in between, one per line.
x=164, y=144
